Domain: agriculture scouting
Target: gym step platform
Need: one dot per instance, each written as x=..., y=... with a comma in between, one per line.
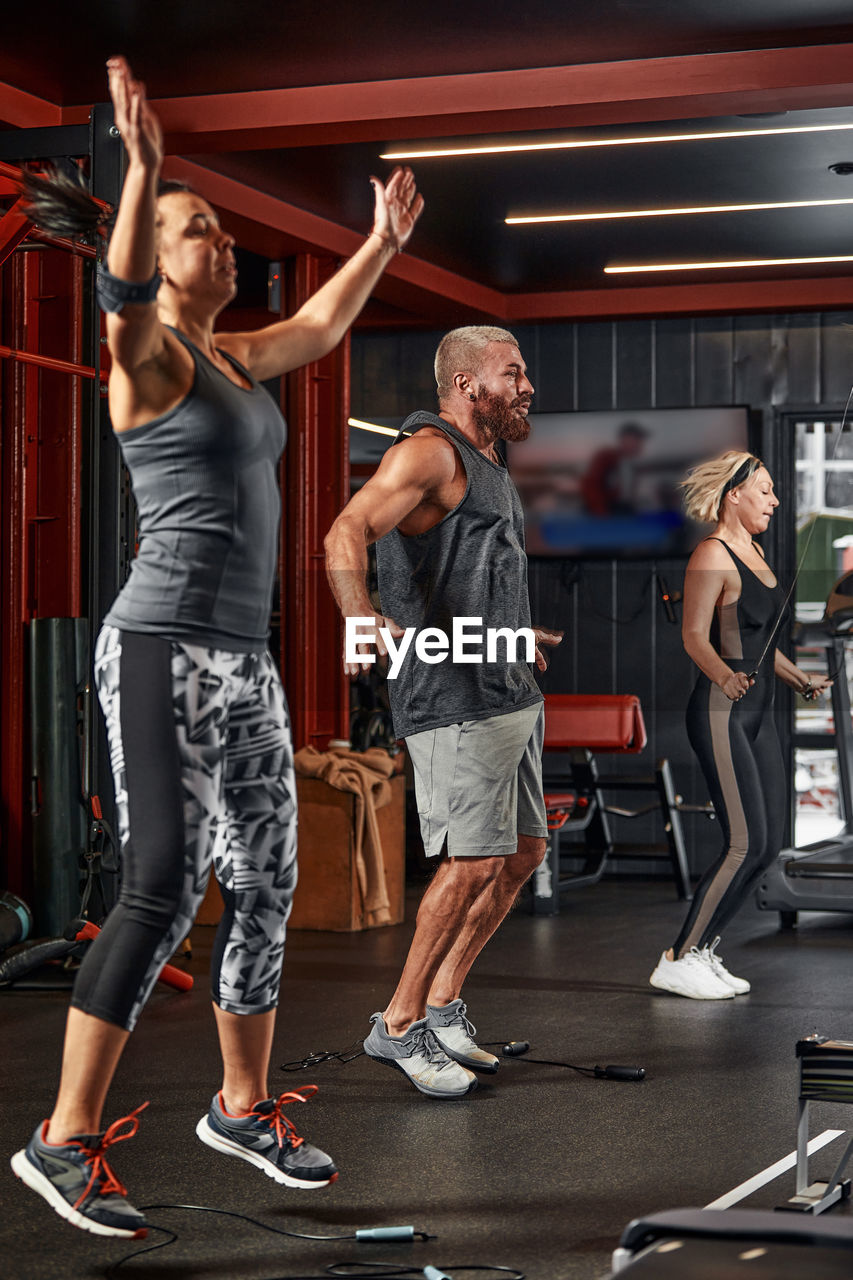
x=734, y=1244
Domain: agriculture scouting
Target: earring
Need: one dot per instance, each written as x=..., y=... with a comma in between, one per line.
x=471, y=397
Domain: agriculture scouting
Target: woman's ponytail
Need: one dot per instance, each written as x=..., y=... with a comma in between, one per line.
x=60, y=204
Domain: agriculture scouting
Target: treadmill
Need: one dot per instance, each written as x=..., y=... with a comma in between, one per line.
x=819, y=877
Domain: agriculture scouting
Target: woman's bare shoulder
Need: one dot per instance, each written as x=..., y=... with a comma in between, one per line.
x=711, y=554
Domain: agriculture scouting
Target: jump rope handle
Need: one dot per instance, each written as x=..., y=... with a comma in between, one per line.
x=170, y=975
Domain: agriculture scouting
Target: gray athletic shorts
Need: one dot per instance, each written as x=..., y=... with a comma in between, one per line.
x=479, y=783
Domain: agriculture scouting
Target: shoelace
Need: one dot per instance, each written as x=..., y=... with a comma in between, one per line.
x=276, y=1118
x=715, y=960
x=697, y=956
x=96, y=1157
x=423, y=1041
x=461, y=1013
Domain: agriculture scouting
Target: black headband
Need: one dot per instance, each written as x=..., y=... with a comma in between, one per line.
x=744, y=471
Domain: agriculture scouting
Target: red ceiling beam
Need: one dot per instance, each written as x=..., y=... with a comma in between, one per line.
x=696, y=85
x=23, y=110
x=505, y=101
x=275, y=229
x=718, y=296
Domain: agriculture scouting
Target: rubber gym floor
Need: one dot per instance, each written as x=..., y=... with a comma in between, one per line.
x=539, y=1169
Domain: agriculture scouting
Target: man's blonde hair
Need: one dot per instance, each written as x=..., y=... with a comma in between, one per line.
x=707, y=484
x=462, y=351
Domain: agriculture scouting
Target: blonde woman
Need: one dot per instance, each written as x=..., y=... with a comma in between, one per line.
x=732, y=602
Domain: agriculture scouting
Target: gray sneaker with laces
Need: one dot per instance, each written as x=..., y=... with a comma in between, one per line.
x=418, y=1055
x=267, y=1139
x=75, y=1179
x=451, y=1028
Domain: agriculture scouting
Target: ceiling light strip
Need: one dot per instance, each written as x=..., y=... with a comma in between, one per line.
x=608, y=215
x=740, y=262
x=374, y=427
x=578, y=144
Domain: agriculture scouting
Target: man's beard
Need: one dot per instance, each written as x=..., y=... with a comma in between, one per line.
x=497, y=419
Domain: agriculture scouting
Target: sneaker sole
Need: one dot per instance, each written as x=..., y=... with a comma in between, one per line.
x=445, y=1094
x=24, y=1169
x=690, y=995
x=489, y=1068
x=220, y=1143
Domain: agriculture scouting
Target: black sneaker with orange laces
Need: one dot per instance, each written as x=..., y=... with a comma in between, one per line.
x=267, y=1139
x=75, y=1179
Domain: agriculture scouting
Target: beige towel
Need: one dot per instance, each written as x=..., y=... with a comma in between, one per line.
x=366, y=774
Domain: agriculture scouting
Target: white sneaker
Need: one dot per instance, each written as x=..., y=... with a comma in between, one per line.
x=739, y=986
x=690, y=976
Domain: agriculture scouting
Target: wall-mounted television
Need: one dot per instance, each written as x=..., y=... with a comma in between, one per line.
x=607, y=483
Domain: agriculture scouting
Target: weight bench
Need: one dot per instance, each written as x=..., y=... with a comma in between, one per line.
x=586, y=725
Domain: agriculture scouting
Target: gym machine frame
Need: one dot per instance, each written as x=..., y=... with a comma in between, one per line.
x=812, y=878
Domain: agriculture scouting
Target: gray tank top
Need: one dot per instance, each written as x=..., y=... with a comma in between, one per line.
x=472, y=564
x=205, y=480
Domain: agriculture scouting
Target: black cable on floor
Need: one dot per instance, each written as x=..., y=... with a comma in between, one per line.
x=352, y=1051
x=518, y=1049
x=393, y=1269
x=243, y=1217
x=510, y=1049
x=364, y=1270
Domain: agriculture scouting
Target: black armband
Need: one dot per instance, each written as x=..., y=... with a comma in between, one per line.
x=113, y=294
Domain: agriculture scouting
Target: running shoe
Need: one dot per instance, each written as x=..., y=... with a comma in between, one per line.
x=690, y=976
x=265, y=1137
x=739, y=986
x=455, y=1034
x=75, y=1179
x=418, y=1055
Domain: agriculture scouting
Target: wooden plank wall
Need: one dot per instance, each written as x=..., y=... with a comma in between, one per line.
x=618, y=639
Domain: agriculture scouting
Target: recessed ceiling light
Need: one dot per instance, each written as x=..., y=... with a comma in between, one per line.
x=674, y=212
x=577, y=144
x=716, y=266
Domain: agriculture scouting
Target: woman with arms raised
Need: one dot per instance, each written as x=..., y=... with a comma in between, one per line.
x=196, y=716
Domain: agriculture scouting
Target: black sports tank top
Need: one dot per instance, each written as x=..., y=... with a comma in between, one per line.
x=741, y=630
x=472, y=564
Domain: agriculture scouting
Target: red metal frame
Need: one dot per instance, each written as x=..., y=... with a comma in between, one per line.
x=14, y=225
x=315, y=486
x=40, y=487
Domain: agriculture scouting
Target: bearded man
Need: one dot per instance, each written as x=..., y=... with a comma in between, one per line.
x=448, y=528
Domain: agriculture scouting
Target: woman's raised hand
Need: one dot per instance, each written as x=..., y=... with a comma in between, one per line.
x=135, y=120
x=398, y=207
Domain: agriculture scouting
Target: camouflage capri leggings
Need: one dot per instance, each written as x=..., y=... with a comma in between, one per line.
x=203, y=765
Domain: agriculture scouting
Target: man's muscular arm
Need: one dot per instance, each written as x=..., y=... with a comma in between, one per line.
x=413, y=476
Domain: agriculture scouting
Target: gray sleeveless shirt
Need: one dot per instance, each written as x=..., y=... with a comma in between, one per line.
x=472, y=564
x=205, y=480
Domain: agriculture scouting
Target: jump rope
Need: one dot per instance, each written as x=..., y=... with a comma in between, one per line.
x=370, y=1270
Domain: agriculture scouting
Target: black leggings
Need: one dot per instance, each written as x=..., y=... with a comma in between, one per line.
x=738, y=749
